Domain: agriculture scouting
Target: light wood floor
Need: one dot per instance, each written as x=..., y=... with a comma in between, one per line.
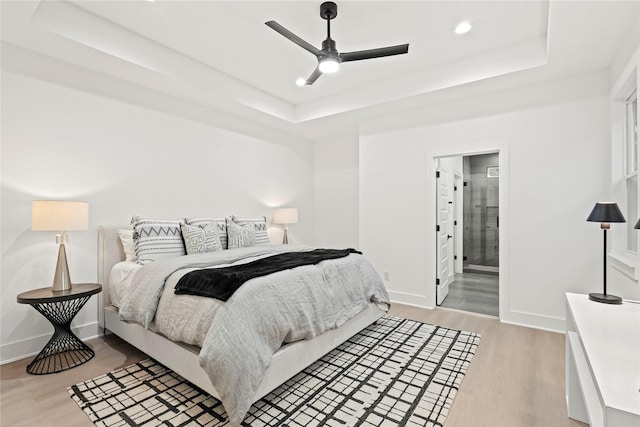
x=43, y=400
x=515, y=379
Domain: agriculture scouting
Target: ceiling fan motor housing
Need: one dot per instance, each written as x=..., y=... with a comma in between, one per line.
x=329, y=46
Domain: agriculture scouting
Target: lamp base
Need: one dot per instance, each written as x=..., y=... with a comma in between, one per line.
x=61, y=279
x=605, y=298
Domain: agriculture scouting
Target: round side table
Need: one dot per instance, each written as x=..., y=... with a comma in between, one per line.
x=64, y=350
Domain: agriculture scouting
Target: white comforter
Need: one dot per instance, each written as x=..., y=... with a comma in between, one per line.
x=239, y=337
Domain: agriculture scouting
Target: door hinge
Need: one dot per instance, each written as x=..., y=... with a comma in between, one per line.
x=455, y=222
x=465, y=183
x=464, y=258
x=437, y=281
x=437, y=174
x=455, y=257
x=455, y=188
x=437, y=227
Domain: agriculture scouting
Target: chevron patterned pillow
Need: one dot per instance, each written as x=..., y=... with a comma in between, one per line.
x=155, y=239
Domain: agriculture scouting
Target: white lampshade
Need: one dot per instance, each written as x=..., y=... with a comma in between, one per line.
x=54, y=215
x=285, y=216
x=57, y=215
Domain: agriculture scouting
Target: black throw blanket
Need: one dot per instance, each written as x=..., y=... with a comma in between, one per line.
x=222, y=282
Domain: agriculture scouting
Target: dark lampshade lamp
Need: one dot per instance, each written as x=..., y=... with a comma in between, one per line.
x=605, y=214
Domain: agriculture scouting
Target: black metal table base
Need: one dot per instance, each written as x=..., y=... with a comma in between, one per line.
x=64, y=350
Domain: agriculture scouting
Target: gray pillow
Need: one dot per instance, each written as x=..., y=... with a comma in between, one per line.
x=241, y=236
x=199, y=240
x=260, y=226
x=221, y=226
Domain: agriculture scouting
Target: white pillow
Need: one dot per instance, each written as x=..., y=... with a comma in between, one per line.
x=241, y=236
x=126, y=238
x=260, y=225
x=199, y=240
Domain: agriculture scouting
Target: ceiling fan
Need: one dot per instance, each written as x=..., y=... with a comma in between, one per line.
x=329, y=58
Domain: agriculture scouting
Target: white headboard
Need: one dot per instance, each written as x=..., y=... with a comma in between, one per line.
x=110, y=252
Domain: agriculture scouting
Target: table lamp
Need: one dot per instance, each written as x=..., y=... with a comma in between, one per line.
x=605, y=213
x=61, y=216
x=285, y=216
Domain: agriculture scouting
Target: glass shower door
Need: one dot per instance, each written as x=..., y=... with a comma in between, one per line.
x=481, y=212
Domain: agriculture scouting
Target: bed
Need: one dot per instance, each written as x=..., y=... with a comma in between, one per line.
x=185, y=359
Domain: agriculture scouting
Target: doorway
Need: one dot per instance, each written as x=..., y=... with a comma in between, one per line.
x=468, y=223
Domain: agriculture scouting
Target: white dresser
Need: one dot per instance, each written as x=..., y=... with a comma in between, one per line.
x=603, y=362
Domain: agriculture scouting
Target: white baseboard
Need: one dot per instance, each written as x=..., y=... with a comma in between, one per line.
x=535, y=321
x=512, y=317
x=409, y=299
x=31, y=346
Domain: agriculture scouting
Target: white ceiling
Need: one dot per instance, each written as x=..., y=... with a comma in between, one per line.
x=219, y=54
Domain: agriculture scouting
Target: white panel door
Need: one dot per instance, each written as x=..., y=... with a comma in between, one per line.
x=444, y=245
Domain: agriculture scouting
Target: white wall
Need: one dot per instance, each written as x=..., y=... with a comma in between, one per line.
x=58, y=143
x=554, y=164
x=335, y=197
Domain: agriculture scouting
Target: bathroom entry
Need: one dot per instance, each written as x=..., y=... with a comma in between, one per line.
x=467, y=242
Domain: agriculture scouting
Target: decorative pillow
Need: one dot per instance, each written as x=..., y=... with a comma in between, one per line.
x=221, y=227
x=260, y=226
x=199, y=240
x=126, y=238
x=155, y=239
x=241, y=236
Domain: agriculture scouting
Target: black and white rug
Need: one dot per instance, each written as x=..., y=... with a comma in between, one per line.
x=395, y=373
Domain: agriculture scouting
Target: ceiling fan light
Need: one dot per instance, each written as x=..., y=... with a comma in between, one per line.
x=300, y=81
x=329, y=65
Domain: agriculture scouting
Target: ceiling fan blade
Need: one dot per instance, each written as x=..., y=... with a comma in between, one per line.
x=375, y=53
x=313, y=77
x=297, y=40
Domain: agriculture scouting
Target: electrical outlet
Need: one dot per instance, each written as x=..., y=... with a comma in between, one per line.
x=386, y=275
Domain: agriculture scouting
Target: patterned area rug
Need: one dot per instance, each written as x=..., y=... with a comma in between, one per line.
x=397, y=372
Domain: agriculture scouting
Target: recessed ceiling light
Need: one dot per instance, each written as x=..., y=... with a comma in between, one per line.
x=301, y=82
x=463, y=27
